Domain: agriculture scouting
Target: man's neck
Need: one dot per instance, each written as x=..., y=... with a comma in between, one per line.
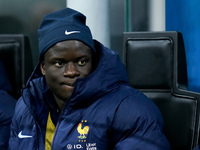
x=60, y=103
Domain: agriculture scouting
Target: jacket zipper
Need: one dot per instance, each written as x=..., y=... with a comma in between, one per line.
x=58, y=123
x=39, y=144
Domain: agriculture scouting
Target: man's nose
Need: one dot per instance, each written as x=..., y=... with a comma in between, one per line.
x=70, y=70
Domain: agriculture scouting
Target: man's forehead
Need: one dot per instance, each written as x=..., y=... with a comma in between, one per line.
x=70, y=44
x=67, y=48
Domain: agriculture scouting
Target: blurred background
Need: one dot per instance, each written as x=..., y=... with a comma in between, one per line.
x=24, y=17
x=109, y=19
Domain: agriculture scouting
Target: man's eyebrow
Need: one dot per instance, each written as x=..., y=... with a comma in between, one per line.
x=82, y=57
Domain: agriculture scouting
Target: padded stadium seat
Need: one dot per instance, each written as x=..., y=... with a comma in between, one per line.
x=15, y=53
x=156, y=65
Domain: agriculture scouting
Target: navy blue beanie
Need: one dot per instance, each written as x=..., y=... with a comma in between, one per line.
x=65, y=24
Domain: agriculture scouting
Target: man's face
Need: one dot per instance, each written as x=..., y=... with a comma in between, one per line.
x=64, y=63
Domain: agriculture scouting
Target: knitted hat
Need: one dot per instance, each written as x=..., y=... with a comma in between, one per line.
x=65, y=24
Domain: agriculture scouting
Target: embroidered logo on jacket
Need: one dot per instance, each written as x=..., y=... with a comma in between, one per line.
x=20, y=135
x=82, y=130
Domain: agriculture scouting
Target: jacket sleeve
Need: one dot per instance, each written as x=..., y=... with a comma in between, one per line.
x=13, y=141
x=138, y=125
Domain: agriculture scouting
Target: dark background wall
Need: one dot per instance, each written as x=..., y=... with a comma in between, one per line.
x=125, y=16
x=24, y=17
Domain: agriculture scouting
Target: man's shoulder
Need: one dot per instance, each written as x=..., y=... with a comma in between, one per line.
x=130, y=98
x=133, y=101
x=125, y=91
x=21, y=107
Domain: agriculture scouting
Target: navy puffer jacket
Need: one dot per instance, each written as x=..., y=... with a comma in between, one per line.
x=103, y=113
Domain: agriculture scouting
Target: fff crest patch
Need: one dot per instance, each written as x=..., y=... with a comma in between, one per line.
x=83, y=130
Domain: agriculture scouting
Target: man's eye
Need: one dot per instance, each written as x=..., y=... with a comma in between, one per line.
x=58, y=64
x=81, y=62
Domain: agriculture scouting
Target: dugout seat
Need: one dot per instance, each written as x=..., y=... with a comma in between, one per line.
x=15, y=53
x=156, y=65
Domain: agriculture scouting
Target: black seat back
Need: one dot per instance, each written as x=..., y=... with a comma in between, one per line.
x=156, y=65
x=15, y=53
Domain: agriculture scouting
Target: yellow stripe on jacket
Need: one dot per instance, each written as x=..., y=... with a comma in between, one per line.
x=50, y=129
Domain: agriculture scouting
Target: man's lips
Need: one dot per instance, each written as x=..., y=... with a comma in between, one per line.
x=71, y=85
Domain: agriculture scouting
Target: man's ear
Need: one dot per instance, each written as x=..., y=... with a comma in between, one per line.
x=42, y=68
